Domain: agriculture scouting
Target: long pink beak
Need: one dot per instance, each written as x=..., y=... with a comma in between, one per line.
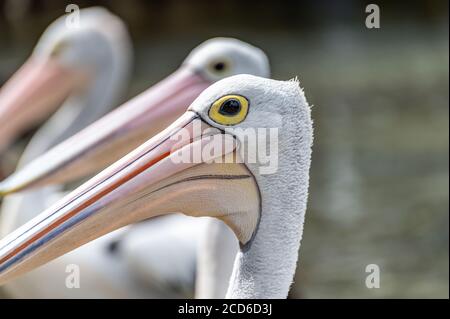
x=31, y=95
x=114, y=135
x=148, y=182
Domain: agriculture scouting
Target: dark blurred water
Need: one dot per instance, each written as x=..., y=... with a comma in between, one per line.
x=379, y=182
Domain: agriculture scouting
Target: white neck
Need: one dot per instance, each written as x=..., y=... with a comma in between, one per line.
x=264, y=268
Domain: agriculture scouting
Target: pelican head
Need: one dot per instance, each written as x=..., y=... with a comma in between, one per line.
x=120, y=131
x=219, y=58
x=66, y=61
x=265, y=211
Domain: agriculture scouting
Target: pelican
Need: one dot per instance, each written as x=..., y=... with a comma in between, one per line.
x=84, y=69
x=76, y=73
x=110, y=138
x=265, y=211
x=87, y=68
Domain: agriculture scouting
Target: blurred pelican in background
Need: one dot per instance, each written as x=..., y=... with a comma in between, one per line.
x=118, y=265
x=79, y=72
x=75, y=75
x=265, y=211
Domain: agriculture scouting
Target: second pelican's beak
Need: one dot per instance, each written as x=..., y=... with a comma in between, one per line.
x=113, y=136
x=32, y=94
x=161, y=176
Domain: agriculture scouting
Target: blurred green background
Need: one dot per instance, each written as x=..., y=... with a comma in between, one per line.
x=380, y=178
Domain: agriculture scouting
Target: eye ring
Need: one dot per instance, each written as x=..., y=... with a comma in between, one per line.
x=229, y=110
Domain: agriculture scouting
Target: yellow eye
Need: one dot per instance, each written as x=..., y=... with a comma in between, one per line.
x=229, y=110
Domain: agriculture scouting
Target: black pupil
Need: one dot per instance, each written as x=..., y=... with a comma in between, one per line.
x=219, y=66
x=230, y=107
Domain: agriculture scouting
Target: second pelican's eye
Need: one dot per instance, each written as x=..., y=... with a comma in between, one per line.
x=219, y=66
x=229, y=110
